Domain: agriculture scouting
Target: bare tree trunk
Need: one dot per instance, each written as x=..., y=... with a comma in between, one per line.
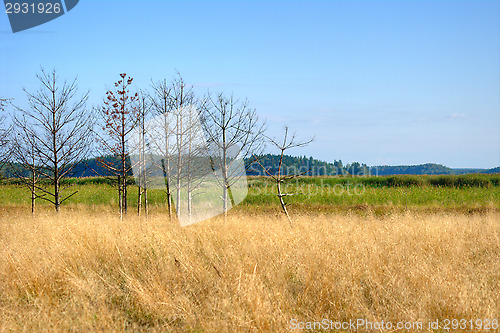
x=179, y=163
x=120, y=197
x=189, y=198
x=54, y=150
x=146, y=201
x=166, y=168
x=169, y=200
x=279, y=180
x=141, y=173
x=178, y=197
x=166, y=172
x=33, y=186
x=142, y=159
x=33, y=197
x=124, y=201
x=144, y=191
x=124, y=170
x=169, y=203
x=224, y=168
x=282, y=202
x=56, y=195
x=139, y=200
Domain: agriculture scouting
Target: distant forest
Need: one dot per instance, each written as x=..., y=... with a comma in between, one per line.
x=303, y=165
x=427, y=169
x=312, y=167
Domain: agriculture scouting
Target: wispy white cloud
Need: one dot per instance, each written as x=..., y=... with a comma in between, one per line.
x=456, y=116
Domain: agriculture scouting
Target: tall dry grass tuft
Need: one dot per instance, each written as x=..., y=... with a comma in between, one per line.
x=86, y=270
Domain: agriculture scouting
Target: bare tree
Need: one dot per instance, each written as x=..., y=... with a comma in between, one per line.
x=181, y=99
x=196, y=165
x=177, y=150
x=58, y=126
x=161, y=101
x=174, y=104
x=234, y=132
x=4, y=133
x=25, y=164
x=119, y=116
x=192, y=170
x=144, y=108
x=280, y=177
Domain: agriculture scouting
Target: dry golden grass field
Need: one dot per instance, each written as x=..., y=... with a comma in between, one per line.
x=84, y=270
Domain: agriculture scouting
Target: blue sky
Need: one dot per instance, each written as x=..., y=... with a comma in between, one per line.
x=379, y=82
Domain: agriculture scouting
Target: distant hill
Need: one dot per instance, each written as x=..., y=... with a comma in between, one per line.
x=465, y=171
x=425, y=169
x=307, y=166
x=310, y=166
x=493, y=170
x=422, y=169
